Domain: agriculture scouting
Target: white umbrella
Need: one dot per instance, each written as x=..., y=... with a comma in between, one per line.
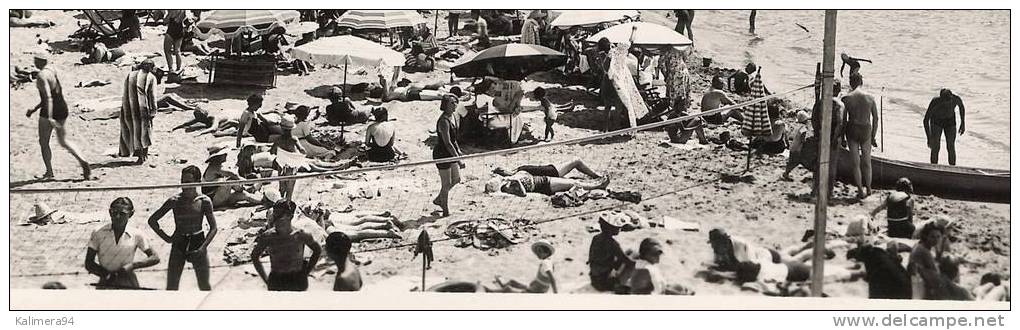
x=646, y=35
x=227, y=22
x=348, y=51
x=569, y=18
x=380, y=19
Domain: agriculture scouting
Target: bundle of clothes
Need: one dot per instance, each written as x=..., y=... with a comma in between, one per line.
x=491, y=233
x=578, y=196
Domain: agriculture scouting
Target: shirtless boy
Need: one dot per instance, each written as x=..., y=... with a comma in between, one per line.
x=189, y=241
x=286, y=246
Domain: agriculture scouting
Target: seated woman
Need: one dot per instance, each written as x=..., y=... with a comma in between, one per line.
x=545, y=179
x=647, y=277
x=418, y=60
x=303, y=133
x=777, y=142
x=380, y=136
x=98, y=53
x=682, y=131
x=225, y=195
x=899, y=208
x=342, y=111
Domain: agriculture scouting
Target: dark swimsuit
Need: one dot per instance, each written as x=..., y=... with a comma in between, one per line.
x=439, y=150
x=59, y=104
x=900, y=217
x=377, y=153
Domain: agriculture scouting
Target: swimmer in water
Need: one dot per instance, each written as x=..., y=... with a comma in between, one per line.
x=853, y=62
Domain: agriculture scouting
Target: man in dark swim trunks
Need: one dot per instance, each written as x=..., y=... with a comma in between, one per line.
x=189, y=240
x=684, y=19
x=861, y=119
x=853, y=62
x=940, y=118
x=53, y=113
x=286, y=246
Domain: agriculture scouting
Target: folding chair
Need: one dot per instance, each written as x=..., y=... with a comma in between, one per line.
x=99, y=27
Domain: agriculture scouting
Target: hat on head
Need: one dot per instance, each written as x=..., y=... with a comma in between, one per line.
x=543, y=244
x=614, y=219
x=336, y=91
x=215, y=153
x=41, y=56
x=287, y=122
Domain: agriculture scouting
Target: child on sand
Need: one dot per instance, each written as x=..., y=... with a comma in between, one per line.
x=647, y=277
x=338, y=248
x=286, y=246
x=899, y=210
x=544, y=279
x=189, y=242
x=550, y=112
x=610, y=268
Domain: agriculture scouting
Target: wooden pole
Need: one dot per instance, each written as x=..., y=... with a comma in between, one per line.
x=435, y=26
x=424, y=260
x=346, y=62
x=828, y=59
x=881, y=116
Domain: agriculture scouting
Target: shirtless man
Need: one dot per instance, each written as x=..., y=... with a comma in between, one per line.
x=716, y=97
x=52, y=118
x=216, y=123
x=189, y=242
x=740, y=81
x=940, y=118
x=853, y=62
x=286, y=246
x=861, y=118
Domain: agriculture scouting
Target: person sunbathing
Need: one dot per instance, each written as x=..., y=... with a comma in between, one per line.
x=899, y=210
x=406, y=91
x=358, y=226
x=303, y=133
x=545, y=179
x=753, y=263
x=380, y=137
x=342, y=111
x=217, y=124
x=609, y=267
x=225, y=195
x=544, y=279
x=98, y=53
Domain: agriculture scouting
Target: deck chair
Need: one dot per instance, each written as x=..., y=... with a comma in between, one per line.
x=99, y=27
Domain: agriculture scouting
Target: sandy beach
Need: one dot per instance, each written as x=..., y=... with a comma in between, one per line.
x=684, y=182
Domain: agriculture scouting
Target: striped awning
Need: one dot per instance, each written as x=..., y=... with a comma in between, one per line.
x=226, y=22
x=380, y=19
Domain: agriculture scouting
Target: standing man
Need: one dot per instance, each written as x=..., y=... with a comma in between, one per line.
x=115, y=247
x=940, y=118
x=52, y=117
x=189, y=240
x=834, y=137
x=861, y=121
x=137, y=111
x=684, y=18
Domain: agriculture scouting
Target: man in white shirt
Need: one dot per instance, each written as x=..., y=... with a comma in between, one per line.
x=112, y=248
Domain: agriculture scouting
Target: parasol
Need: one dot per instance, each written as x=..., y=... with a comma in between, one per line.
x=226, y=22
x=510, y=61
x=646, y=35
x=570, y=18
x=380, y=19
x=348, y=51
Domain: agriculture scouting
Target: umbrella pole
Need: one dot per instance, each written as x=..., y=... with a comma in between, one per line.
x=435, y=26
x=345, y=75
x=824, y=149
x=881, y=116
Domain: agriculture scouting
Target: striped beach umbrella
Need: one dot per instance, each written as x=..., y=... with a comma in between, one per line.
x=646, y=35
x=510, y=61
x=756, y=116
x=380, y=19
x=570, y=18
x=226, y=22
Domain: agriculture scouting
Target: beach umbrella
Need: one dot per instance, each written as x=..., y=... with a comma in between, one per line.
x=756, y=122
x=646, y=35
x=348, y=51
x=380, y=19
x=509, y=61
x=569, y=18
x=226, y=22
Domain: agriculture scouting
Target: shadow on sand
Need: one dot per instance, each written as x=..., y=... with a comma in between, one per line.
x=215, y=92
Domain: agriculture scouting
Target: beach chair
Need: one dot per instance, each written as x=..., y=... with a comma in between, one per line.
x=510, y=123
x=100, y=26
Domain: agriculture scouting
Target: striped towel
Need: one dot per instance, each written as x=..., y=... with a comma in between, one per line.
x=756, y=116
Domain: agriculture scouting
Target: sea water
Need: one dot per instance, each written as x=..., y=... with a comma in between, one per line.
x=915, y=53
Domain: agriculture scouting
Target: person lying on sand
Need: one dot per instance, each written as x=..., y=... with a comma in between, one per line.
x=753, y=263
x=338, y=248
x=98, y=53
x=189, y=241
x=23, y=18
x=609, y=267
x=544, y=279
x=380, y=137
x=358, y=226
x=217, y=123
x=647, y=277
x=545, y=179
x=286, y=246
x=225, y=195
x=112, y=248
x=899, y=207
x=404, y=90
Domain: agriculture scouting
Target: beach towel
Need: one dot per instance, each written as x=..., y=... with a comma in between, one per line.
x=137, y=109
x=756, y=116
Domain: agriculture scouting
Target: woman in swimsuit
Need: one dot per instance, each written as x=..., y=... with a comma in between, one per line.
x=225, y=195
x=545, y=179
x=380, y=152
x=899, y=208
x=189, y=241
x=853, y=62
x=447, y=128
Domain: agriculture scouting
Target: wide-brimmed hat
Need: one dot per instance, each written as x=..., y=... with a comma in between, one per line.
x=615, y=219
x=543, y=244
x=222, y=152
x=41, y=214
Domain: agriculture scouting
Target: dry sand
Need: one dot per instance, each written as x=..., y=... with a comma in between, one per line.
x=677, y=181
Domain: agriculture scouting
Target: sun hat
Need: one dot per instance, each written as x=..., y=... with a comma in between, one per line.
x=42, y=214
x=218, y=153
x=614, y=219
x=543, y=244
x=802, y=117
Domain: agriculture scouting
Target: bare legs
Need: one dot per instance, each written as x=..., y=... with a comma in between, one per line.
x=175, y=267
x=575, y=164
x=172, y=49
x=860, y=162
x=448, y=178
x=46, y=128
x=561, y=184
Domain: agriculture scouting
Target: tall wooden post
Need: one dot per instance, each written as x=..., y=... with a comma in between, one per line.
x=821, y=212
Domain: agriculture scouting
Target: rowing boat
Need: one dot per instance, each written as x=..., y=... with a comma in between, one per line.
x=955, y=182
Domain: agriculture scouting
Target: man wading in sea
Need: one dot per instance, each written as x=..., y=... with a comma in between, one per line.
x=940, y=118
x=860, y=122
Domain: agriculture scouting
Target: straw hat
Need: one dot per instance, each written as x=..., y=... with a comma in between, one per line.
x=42, y=214
x=614, y=219
x=543, y=244
x=218, y=153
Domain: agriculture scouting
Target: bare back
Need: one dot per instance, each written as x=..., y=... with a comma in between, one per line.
x=860, y=110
